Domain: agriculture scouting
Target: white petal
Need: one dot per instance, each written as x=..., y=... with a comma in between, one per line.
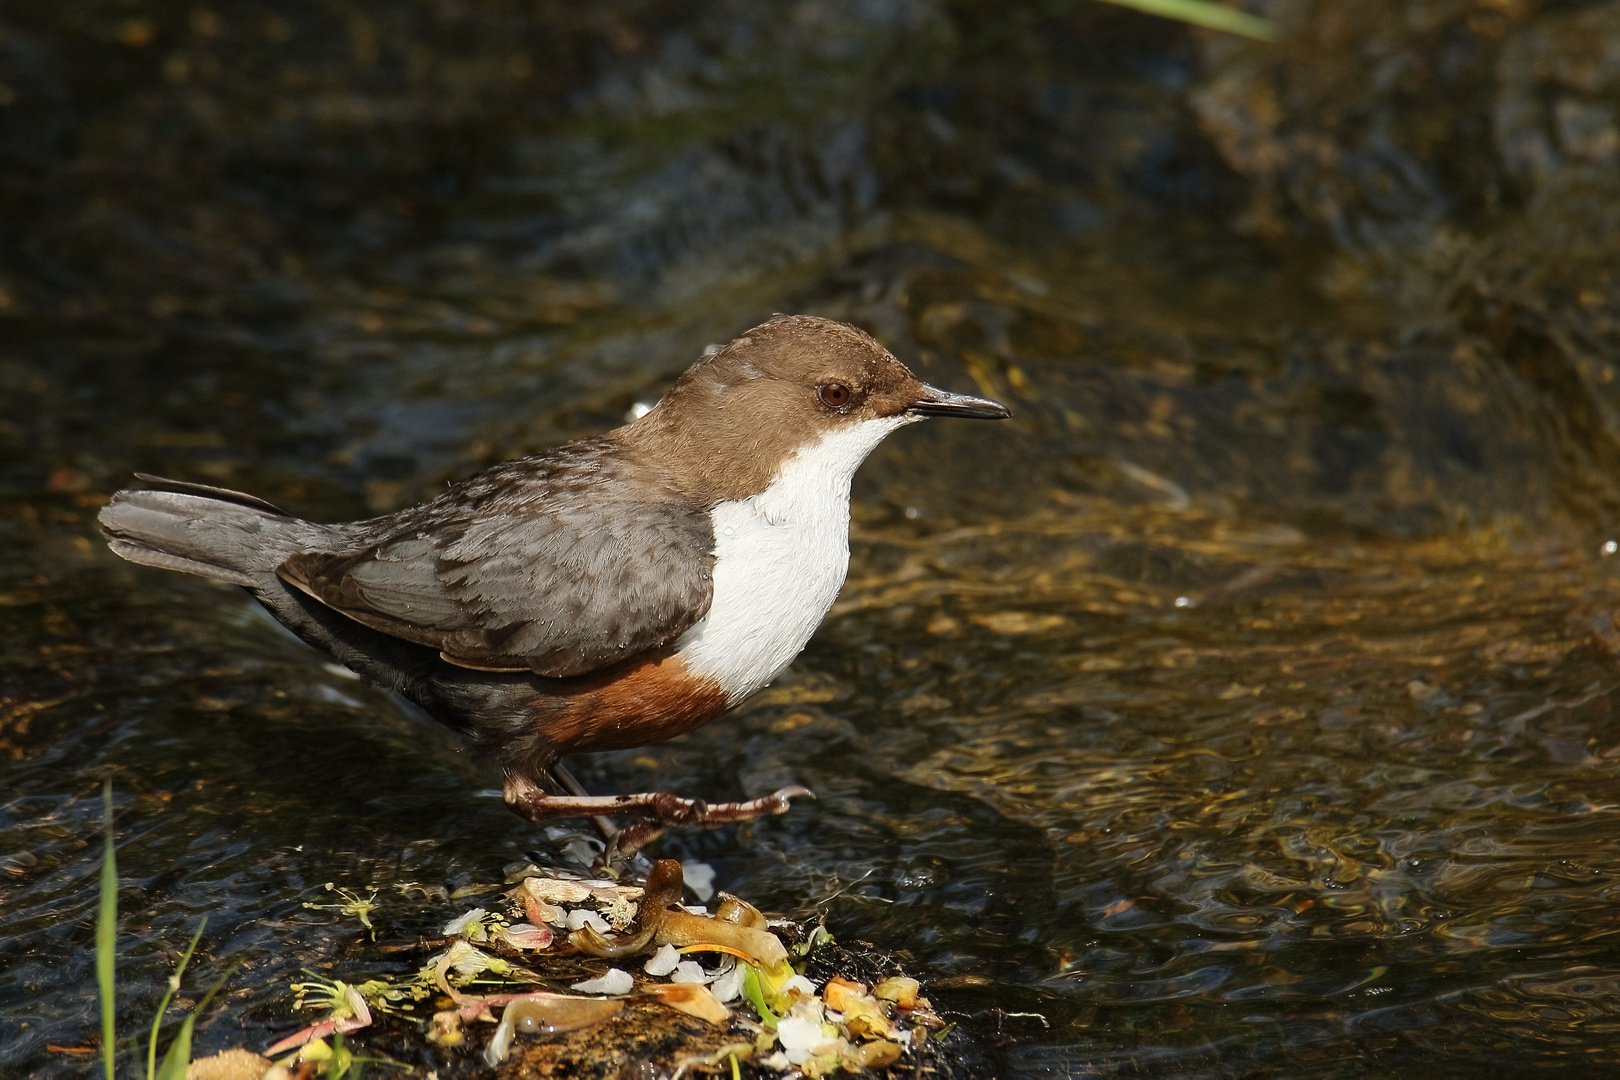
x=500, y=1043
x=581, y=917
x=458, y=927
x=466, y=959
x=689, y=971
x=798, y=1037
x=728, y=986
x=357, y=1006
x=801, y=984
x=612, y=983
x=663, y=961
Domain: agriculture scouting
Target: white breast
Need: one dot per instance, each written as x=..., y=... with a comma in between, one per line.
x=780, y=559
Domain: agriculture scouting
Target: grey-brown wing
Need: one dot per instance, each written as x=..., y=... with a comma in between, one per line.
x=527, y=568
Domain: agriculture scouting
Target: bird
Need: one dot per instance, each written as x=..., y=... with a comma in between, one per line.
x=611, y=592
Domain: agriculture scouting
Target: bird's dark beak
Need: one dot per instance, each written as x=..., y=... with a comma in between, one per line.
x=937, y=402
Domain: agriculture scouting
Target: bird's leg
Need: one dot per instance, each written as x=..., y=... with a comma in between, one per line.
x=632, y=838
x=532, y=801
x=566, y=781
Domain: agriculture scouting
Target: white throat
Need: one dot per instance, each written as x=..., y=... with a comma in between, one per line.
x=780, y=559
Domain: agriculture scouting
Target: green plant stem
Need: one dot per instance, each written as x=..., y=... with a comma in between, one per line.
x=107, y=932
x=177, y=1059
x=1204, y=13
x=163, y=1006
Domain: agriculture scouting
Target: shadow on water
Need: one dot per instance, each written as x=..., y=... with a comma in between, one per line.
x=1246, y=707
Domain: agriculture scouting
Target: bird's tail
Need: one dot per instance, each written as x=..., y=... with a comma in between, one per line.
x=228, y=536
x=207, y=531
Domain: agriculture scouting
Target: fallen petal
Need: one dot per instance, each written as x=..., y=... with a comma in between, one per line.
x=580, y=918
x=360, y=1012
x=663, y=961
x=863, y=1016
x=689, y=971
x=552, y=1014
x=729, y=986
x=798, y=984
x=693, y=999
x=546, y=1014
x=838, y=990
x=526, y=936
x=466, y=959
x=898, y=989
x=458, y=927
x=613, y=981
x=799, y=1038
x=876, y=1055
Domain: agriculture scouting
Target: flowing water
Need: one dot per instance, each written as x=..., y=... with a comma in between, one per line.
x=1246, y=706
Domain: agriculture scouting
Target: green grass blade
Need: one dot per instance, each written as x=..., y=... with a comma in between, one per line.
x=1205, y=13
x=337, y=1066
x=177, y=1058
x=163, y=1006
x=107, y=932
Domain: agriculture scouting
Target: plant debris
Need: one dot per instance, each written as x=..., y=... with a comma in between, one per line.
x=746, y=1000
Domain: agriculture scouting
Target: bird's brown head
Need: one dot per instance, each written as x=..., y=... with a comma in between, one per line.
x=732, y=420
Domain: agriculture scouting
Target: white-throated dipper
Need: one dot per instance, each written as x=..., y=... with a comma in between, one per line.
x=608, y=593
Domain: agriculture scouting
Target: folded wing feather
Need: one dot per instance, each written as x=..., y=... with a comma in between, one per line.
x=550, y=565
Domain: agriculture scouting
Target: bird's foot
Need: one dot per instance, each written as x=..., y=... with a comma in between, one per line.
x=665, y=810
x=670, y=810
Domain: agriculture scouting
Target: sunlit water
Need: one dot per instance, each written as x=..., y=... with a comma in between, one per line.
x=1245, y=707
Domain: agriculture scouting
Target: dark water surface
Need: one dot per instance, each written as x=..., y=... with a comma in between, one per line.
x=1247, y=706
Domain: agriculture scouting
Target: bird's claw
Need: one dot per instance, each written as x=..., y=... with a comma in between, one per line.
x=672, y=811
x=782, y=797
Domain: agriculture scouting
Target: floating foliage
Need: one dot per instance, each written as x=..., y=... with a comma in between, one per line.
x=1204, y=13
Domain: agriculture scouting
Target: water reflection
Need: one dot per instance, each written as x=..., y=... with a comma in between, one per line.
x=1245, y=708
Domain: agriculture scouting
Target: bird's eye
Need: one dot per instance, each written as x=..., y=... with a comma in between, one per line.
x=834, y=395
